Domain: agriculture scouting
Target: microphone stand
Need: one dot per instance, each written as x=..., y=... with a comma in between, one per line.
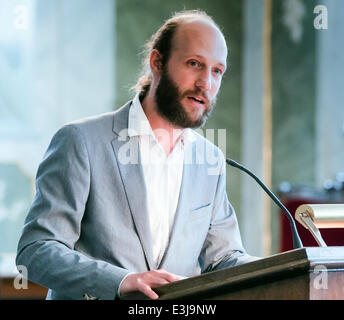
x=296, y=238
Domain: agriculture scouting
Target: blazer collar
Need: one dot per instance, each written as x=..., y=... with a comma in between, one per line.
x=120, y=119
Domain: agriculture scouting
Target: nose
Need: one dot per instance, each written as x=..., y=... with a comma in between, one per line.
x=204, y=80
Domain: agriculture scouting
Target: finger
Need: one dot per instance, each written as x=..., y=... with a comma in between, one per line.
x=154, y=278
x=158, y=282
x=164, y=272
x=146, y=289
x=170, y=277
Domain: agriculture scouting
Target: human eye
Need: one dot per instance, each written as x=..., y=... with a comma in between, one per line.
x=218, y=71
x=193, y=63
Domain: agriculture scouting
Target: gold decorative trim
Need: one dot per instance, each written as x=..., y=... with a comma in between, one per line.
x=267, y=123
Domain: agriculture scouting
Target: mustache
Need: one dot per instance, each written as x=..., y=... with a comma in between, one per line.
x=200, y=93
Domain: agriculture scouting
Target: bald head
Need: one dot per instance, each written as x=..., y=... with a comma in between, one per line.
x=201, y=38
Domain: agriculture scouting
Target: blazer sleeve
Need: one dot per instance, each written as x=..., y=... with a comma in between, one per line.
x=52, y=226
x=223, y=246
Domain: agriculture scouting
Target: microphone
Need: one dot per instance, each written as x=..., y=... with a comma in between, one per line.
x=296, y=238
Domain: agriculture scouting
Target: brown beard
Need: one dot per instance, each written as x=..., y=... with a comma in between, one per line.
x=168, y=97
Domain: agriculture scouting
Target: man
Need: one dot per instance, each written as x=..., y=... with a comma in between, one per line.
x=102, y=225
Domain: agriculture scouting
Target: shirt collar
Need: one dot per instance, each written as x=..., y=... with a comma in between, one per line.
x=138, y=124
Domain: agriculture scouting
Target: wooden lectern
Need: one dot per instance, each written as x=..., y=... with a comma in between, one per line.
x=312, y=273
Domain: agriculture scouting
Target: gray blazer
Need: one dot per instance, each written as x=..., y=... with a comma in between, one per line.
x=88, y=224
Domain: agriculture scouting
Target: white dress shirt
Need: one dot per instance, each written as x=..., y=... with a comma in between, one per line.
x=162, y=175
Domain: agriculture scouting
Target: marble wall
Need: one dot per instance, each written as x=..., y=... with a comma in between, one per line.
x=308, y=113
x=294, y=98
x=57, y=61
x=329, y=122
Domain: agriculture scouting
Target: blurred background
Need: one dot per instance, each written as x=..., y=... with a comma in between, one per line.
x=281, y=101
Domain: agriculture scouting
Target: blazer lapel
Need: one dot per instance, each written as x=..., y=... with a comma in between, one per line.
x=129, y=163
x=185, y=199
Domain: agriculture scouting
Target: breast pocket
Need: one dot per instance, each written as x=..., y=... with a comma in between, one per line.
x=200, y=211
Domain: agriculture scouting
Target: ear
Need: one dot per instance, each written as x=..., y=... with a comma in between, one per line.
x=156, y=61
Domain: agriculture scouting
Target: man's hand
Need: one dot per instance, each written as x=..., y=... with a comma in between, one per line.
x=145, y=281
